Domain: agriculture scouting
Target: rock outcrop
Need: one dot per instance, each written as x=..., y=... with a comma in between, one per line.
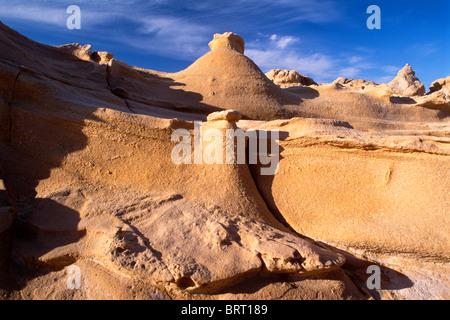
x=85, y=53
x=228, y=40
x=289, y=77
x=406, y=83
x=101, y=57
x=227, y=115
x=359, y=83
x=439, y=95
x=440, y=84
x=228, y=79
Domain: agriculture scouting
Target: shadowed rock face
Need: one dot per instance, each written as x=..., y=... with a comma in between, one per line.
x=440, y=84
x=87, y=180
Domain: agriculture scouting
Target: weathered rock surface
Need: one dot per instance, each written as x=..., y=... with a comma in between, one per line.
x=102, y=57
x=86, y=151
x=406, y=83
x=228, y=40
x=228, y=115
x=440, y=84
x=439, y=95
x=354, y=84
x=289, y=77
x=6, y=221
x=85, y=53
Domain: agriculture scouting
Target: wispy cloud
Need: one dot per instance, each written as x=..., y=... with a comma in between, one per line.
x=33, y=13
x=43, y=12
x=384, y=79
x=173, y=28
x=391, y=69
x=355, y=59
x=171, y=36
x=349, y=72
x=283, y=41
x=424, y=49
x=180, y=30
x=287, y=52
x=317, y=65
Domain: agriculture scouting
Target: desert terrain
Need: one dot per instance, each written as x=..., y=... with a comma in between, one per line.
x=87, y=180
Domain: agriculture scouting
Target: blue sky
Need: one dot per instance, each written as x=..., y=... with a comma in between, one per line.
x=322, y=39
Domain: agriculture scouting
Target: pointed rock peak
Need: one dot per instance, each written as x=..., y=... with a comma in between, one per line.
x=406, y=83
x=228, y=40
x=407, y=69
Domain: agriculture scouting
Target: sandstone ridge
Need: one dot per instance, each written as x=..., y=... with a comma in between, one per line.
x=87, y=181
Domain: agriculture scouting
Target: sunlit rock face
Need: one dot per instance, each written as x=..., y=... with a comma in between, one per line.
x=88, y=185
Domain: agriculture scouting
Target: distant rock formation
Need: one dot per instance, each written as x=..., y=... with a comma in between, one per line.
x=85, y=53
x=358, y=84
x=340, y=80
x=78, y=50
x=353, y=82
x=406, y=83
x=287, y=77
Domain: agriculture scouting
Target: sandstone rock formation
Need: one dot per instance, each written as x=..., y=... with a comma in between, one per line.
x=440, y=84
x=357, y=83
x=228, y=115
x=102, y=57
x=78, y=50
x=88, y=182
x=289, y=77
x=406, y=83
x=228, y=40
x=85, y=53
x=439, y=95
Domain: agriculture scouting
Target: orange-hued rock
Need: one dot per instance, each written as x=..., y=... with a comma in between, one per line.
x=102, y=57
x=88, y=182
x=288, y=78
x=228, y=40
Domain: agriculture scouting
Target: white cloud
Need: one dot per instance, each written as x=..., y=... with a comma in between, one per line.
x=32, y=13
x=384, y=79
x=57, y=16
x=349, y=72
x=322, y=67
x=423, y=49
x=390, y=69
x=172, y=36
x=317, y=65
x=182, y=31
x=283, y=42
x=355, y=59
x=166, y=35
